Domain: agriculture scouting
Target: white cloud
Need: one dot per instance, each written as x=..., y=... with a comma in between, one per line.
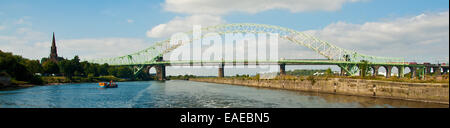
x=85, y=48
x=250, y=6
x=2, y=27
x=97, y=48
x=425, y=35
x=183, y=24
x=422, y=35
x=22, y=44
x=29, y=43
x=130, y=21
x=207, y=13
x=35, y=45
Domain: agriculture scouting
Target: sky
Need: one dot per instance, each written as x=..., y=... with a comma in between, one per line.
x=414, y=29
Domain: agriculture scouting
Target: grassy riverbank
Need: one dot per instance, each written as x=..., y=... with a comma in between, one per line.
x=76, y=79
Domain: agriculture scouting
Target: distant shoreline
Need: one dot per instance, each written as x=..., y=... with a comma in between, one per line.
x=50, y=81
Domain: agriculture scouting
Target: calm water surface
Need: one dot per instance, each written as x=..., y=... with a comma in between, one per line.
x=181, y=94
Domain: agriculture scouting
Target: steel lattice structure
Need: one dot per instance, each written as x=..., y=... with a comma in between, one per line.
x=324, y=48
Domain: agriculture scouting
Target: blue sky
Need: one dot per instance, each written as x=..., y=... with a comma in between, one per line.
x=93, y=19
x=415, y=29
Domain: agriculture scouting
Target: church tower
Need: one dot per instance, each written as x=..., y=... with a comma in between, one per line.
x=54, y=52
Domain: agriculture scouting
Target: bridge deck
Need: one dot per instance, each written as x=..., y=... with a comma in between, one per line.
x=271, y=62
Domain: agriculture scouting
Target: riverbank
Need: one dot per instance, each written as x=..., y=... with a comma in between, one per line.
x=423, y=92
x=58, y=80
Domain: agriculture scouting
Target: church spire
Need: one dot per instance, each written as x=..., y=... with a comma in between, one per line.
x=53, y=41
x=53, y=52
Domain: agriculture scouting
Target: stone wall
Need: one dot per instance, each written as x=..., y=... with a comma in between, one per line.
x=425, y=92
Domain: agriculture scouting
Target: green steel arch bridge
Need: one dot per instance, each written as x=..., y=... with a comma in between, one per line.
x=347, y=60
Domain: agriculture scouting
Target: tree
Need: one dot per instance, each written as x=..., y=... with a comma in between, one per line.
x=77, y=66
x=67, y=67
x=113, y=71
x=34, y=66
x=50, y=67
x=15, y=67
x=92, y=69
x=364, y=68
x=103, y=70
x=11, y=65
x=329, y=72
x=124, y=72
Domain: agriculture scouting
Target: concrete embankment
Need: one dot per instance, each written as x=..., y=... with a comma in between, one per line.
x=424, y=92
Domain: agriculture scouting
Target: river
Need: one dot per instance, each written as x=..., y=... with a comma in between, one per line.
x=185, y=94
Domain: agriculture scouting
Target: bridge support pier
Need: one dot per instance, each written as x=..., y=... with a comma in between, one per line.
x=437, y=70
x=221, y=71
x=342, y=72
x=145, y=72
x=375, y=70
x=282, y=69
x=160, y=70
x=422, y=72
x=413, y=71
x=428, y=70
x=401, y=70
x=388, y=71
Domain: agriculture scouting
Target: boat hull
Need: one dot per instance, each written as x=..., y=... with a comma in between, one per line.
x=106, y=85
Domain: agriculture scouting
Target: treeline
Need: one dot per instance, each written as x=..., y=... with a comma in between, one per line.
x=74, y=67
x=307, y=72
x=19, y=68
x=181, y=77
x=22, y=69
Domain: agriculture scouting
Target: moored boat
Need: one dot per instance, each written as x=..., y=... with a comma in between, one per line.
x=108, y=85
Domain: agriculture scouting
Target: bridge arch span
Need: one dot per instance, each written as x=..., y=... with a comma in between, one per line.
x=332, y=52
x=324, y=48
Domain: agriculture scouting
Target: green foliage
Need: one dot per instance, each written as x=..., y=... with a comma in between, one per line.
x=91, y=69
x=124, y=72
x=34, y=66
x=304, y=72
x=23, y=70
x=312, y=79
x=329, y=72
x=182, y=77
x=113, y=71
x=66, y=68
x=364, y=68
x=16, y=68
x=258, y=76
x=244, y=76
x=103, y=69
x=50, y=67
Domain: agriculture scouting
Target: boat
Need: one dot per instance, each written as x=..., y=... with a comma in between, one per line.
x=108, y=85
